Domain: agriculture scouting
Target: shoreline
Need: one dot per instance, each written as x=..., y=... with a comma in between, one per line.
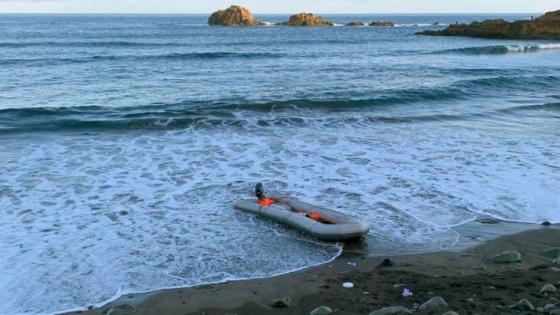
x=317, y=285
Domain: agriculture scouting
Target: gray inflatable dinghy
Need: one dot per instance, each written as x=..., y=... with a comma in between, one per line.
x=325, y=224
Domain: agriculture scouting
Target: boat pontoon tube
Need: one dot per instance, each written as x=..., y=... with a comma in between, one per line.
x=333, y=226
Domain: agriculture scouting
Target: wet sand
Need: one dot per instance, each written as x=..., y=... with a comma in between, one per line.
x=464, y=278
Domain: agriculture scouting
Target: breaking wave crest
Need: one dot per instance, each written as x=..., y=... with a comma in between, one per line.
x=502, y=49
x=278, y=113
x=191, y=113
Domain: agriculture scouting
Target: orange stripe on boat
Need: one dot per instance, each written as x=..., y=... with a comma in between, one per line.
x=265, y=202
x=315, y=216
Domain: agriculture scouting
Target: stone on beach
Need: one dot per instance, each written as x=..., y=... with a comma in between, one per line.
x=348, y=285
x=523, y=305
x=307, y=19
x=551, y=253
x=547, y=288
x=392, y=310
x=386, y=263
x=549, y=308
x=450, y=313
x=436, y=303
x=506, y=257
x=281, y=302
x=235, y=15
x=321, y=310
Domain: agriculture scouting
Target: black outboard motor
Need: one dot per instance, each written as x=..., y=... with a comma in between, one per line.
x=259, y=191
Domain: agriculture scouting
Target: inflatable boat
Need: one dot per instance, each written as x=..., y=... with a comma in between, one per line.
x=325, y=224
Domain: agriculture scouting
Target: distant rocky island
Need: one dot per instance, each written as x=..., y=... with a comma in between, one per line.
x=237, y=15
x=544, y=27
x=385, y=24
x=356, y=23
x=307, y=19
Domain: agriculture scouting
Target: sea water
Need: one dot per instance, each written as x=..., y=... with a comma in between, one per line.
x=125, y=140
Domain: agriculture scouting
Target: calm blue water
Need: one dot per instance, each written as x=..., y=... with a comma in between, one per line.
x=124, y=141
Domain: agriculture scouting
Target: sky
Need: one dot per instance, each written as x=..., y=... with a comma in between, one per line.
x=279, y=6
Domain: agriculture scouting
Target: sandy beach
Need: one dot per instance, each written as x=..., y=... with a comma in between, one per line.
x=468, y=280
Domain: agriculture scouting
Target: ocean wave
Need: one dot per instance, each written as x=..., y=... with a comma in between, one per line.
x=200, y=114
x=183, y=121
x=97, y=120
x=226, y=113
x=204, y=114
x=502, y=49
x=482, y=86
x=533, y=107
x=387, y=98
x=108, y=44
x=170, y=56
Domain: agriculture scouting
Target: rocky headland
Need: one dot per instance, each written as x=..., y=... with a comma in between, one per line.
x=307, y=19
x=544, y=27
x=235, y=15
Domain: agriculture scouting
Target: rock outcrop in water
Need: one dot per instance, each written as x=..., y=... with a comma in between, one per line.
x=235, y=15
x=356, y=23
x=307, y=19
x=544, y=27
x=385, y=24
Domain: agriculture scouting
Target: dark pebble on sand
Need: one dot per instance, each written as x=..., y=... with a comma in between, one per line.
x=123, y=212
x=282, y=302
x=488, y=221
x=387, y=263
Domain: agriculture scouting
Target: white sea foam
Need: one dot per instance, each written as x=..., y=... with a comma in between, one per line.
x=413, y=25
x=529, y=48
x=85, y=217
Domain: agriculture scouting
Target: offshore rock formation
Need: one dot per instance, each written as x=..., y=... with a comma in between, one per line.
x=545, y=27
x=386, y=24
x=235, y=15
x=307, y=19
x=356, y=23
